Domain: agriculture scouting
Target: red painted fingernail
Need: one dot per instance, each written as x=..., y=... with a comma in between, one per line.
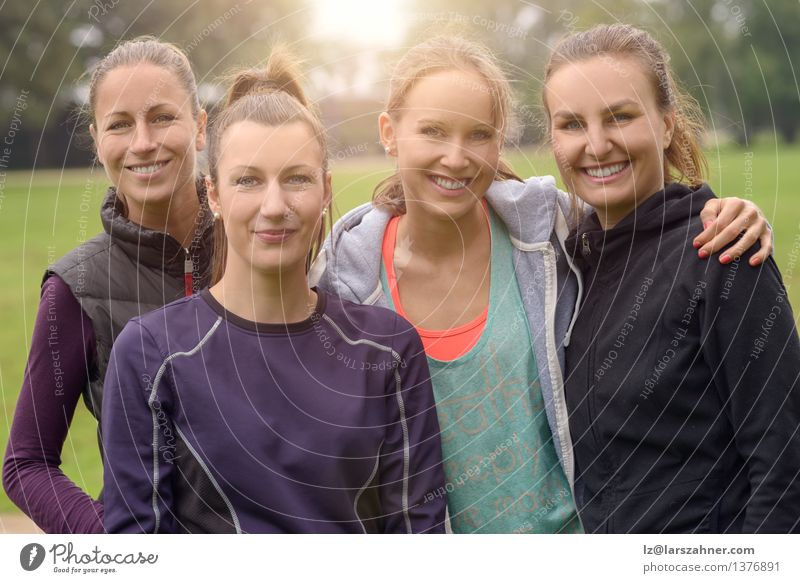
x=755, y=261
x=725, y=259
x=702, y=254
x=696, y=244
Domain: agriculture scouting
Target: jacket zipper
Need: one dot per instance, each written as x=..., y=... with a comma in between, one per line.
x=188, y=274
x=586, y=248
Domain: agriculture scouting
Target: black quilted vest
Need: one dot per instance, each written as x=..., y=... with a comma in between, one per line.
x=127, y=271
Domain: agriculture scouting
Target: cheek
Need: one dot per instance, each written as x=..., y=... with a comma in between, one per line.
x=561, y=153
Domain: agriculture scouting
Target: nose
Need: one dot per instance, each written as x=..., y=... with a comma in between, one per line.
x=143, y=139
x=274, y=205
x=454, y=155
x=598, y=141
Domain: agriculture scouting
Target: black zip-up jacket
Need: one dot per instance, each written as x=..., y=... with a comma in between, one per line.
x=682, y=381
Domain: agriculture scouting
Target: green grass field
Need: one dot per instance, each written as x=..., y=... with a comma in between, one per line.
x=46, y=213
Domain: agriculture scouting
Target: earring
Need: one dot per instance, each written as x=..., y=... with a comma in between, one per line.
x=324, y=212
x=217, y=216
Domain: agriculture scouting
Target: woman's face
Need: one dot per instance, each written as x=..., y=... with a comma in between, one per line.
x=271, y=190
x=446, y=142
x=146, y=136
x=608, y=133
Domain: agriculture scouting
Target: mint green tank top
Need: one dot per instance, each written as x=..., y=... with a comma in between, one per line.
x=503, y=474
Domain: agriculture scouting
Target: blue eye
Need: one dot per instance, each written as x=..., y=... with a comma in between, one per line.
x=246, y=181
x=299, y=179
x=481, y=135
x=431, y=131
x=573, y=124
x=622, y=117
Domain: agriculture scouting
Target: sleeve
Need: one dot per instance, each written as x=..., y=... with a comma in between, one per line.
x=752, y=346
x=137, y=490
x=411, y=473
x=62, y=352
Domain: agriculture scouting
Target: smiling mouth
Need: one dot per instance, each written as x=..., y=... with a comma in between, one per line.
x=607, y=171
x=151, y=168
x=450, y=183
x=274, y=235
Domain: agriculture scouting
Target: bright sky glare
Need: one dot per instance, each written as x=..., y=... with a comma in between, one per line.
x=374, y=23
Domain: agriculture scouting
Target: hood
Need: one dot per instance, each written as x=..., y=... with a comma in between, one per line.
x=675, y=205
x=350, y=261
x=158, y=249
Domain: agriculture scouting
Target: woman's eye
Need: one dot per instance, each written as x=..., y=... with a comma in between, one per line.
x=572, y=124
x=164, y=118
x=481, y=135
x=431, y=131
x=621, y=117
x=118, y=125
x=246, y=181
x=299, y=179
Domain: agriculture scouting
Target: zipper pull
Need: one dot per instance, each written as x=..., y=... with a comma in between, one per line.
x=586, y=248
x=188, y=275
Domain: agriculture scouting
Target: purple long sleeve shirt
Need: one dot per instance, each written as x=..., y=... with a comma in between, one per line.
x=212, y=423
x=62, y=351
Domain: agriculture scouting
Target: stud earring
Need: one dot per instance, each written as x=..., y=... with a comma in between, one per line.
x=217, y=216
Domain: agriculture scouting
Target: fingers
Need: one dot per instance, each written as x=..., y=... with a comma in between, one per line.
x=752, y=227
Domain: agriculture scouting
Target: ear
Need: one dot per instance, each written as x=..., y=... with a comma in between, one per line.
x=93, y=133
x=202, y=125
x=387, y=133
x=669, y=128
x=213, y=195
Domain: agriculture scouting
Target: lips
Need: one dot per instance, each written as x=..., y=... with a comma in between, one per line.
x=449, y=184
x=147, y=169
x=274, y=236
x=606, y=172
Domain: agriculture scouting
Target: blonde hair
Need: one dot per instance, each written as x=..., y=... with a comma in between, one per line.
x=684, y=160
x=271, y=96
x=443, y=53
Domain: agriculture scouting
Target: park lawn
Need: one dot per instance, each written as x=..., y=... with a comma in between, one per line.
x=44, y=216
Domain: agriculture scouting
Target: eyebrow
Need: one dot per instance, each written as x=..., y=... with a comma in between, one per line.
x=612, y=107
x=293, y=167
x=442, y=122
x=149, y=109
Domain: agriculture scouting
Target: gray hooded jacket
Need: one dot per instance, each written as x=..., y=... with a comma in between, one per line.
x=534, y=212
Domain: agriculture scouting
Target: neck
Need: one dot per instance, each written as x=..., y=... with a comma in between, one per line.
x=177, y=216
x=281, y=298
x=437, y=236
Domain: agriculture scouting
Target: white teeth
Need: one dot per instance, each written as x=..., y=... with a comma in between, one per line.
x=447, y=183
x=606, y=171
x=147, y=169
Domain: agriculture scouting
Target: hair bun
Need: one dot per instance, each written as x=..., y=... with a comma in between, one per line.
x=280, y=74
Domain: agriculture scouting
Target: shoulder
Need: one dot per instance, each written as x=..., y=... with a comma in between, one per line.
x=87, y=252
x=528, y=208
x=175, y=327
x=365, y=322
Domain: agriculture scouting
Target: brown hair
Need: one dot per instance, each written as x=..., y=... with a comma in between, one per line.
x=146, y=49
x=270, y=96
x=684, y=160
x=443, y=53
